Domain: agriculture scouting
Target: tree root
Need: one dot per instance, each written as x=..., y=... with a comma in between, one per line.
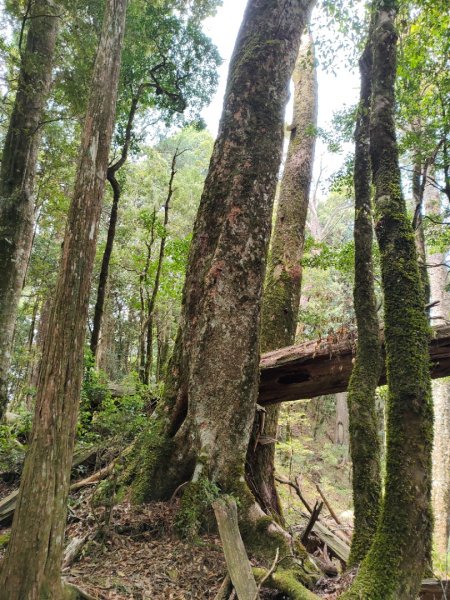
x=286, y=582
x=73, y=592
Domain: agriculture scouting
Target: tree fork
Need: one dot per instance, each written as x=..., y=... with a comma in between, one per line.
x=201, y=429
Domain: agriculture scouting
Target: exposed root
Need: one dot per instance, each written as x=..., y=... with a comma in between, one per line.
x=73, y=592
x=286, y=581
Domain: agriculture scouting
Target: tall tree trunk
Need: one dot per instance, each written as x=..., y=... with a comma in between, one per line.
x=18, y=169
x=394, y=565
x=438, y=277
x=106, y=259
x=364, y=440
x=162, y=250
x=341, y=436
x=418, y=188
x=31, y=568
x=202, y=429
x=283, y=281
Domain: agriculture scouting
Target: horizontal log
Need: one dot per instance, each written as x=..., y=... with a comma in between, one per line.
x=320, y=367
x=435, y=589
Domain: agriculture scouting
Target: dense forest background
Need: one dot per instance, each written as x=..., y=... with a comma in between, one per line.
x=129, y=357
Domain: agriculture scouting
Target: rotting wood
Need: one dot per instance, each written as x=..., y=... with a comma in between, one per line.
x=324, y=366
x=335, y=544
x=73, y=549
x=236, y=557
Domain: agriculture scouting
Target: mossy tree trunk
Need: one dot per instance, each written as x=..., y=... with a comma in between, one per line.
x=200, y=432
x=283, y=280
x=364, y=440
x=394, y=565
x=18, y=168
x=31, y=568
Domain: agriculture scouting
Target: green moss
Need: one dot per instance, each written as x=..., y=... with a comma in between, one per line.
x=286, y=581
x=195, y=506
x=153, y=450
x=4, y=539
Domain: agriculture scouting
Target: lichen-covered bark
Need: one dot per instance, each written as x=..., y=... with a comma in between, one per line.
x=202, y=428
x=283, y=280
x=364, y=441
x=18, y=168
x=31, y=568
x=394, y=565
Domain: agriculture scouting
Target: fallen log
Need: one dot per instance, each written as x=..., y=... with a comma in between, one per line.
x=435, y=589
x=324, y=366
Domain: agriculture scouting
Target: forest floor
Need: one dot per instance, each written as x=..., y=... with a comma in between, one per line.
x=142, y=558
x=132, y=552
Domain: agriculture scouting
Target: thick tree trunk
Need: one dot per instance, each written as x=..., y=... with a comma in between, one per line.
x=283, y=281
x=18, y=168
x=394, y=565
x=201, y=431
x=364, y=440
x=31, y=568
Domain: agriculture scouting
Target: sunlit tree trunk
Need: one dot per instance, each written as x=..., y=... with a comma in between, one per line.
x=283, y=280
x=31, y=568
x=393, y=568
x=18, y=169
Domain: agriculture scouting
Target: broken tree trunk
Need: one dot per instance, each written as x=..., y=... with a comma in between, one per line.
x=236, y=557
x=324, y=366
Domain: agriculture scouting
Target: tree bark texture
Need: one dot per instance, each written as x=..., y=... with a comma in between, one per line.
x=394, y=565
x=212, y=381
x=31, y=568
x=283, y=281
x=18, y=169
x=364, y=440
x=341, y=437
